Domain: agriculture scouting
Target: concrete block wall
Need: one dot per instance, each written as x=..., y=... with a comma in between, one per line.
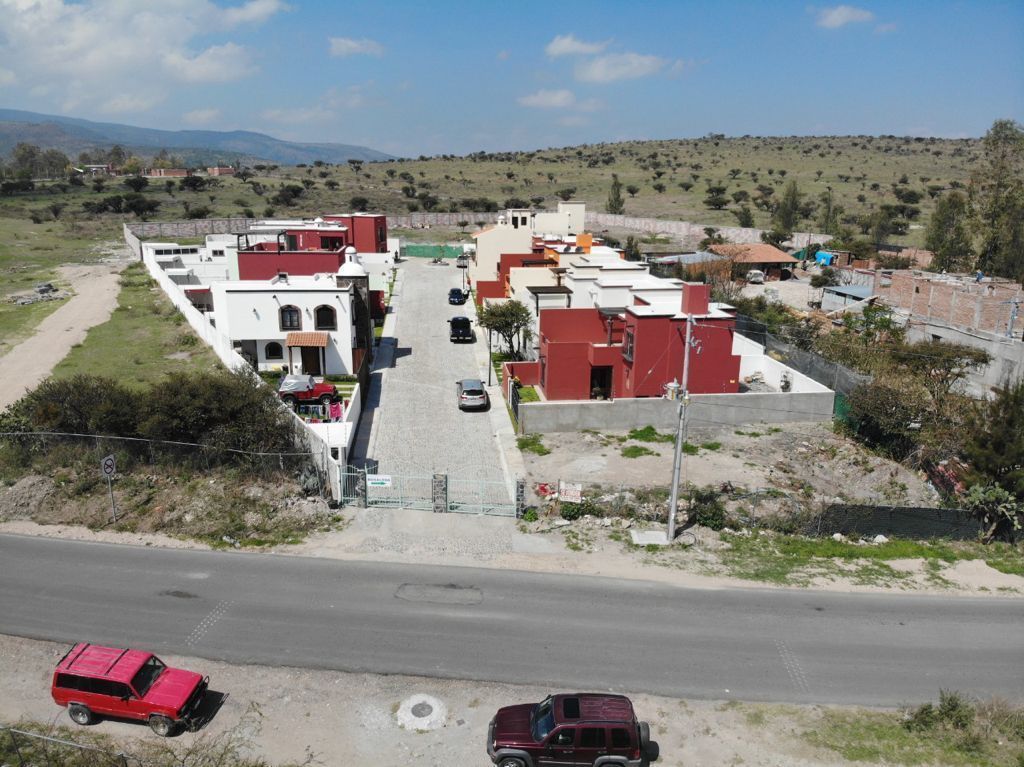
x=958, y=302
x=704, y=410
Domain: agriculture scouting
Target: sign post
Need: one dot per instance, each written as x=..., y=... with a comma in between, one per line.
x=108, y=467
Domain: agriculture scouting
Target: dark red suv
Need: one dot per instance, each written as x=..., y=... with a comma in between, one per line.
x=129, y=684
x=578, y=729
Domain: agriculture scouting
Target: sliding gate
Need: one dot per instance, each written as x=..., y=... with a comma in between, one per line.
x=437, y=492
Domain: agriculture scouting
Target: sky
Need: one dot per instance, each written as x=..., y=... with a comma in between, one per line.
x=411, y=78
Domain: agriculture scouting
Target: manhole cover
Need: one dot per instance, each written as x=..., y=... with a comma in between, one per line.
x=422, y=709
x=421, y=712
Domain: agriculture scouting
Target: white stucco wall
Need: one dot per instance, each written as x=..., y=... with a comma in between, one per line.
x=491, y=244
x=248, y=310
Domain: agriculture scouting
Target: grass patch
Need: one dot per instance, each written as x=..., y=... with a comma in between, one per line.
x=711, y=446
x=135, y=342
x=789, y=559
x=528, y=394
x=957, y=731
x=531, y=443
x=19, y=322
x=635, y=451
x=649, y=434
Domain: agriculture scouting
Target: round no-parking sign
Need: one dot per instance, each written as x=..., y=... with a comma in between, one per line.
x=108, y=466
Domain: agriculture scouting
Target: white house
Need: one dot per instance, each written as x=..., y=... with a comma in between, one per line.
x=304, y=324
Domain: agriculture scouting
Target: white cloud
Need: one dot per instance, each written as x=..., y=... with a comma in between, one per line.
x=7, y=77
x=619, y=66
x=347, y=46
x=71, y=50
x=126, y=103
x=328, y=108
x=884, y=29
x=560, y=99
x=841, y=15
x=253, y=12
x=217, y=64
x=201, y=116
x=548, y=99
x=569, y=45
x=573, y=121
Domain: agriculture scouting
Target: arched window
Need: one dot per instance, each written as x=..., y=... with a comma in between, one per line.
x=326, y=318
x=291, y=318
x=273, y=351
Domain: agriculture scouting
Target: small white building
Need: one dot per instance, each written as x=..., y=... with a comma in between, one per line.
x=301, y=324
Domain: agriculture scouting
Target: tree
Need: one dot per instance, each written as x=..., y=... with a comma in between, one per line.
x=137, y=183
x=997, y=189
x=947, y=235
x=632, y=189
x=775, y=237
x=998, y=512
x=193, y=183
x=615, y=202
x=25, y=159
x=994, y=448
x=566, y=194
x=331, y=184
x=511, y=320
x=744, y=217
x=826, y=278
x=787, y=214
x=829, y=218
x=632, y=249
x=359, y=204
x=715, y=197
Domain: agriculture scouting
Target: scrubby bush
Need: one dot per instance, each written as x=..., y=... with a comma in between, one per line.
x=706, y=508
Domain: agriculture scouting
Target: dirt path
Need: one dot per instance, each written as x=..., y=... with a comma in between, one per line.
x=29, y=363
x=340, y=718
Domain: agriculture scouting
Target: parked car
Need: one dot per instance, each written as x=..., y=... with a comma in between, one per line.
x=302, y=388
x=471, y=394
x=461, y=329
x=456, y=296
x=581, y=728
x=129, y=684
x=462, y=262
x=755, y=277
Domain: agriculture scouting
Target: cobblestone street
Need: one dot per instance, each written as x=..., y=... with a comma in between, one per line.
x=417, y=427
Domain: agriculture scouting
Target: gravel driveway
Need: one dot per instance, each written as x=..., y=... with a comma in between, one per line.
x=418, y=428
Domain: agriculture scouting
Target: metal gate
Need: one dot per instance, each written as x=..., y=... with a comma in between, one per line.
x=430, y=493
x=513, y=401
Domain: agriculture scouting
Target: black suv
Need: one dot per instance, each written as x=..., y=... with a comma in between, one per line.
x=583, y=728
x=461, y=329
x=456, y=296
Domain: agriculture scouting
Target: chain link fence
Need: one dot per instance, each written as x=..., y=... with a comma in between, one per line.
x=20, y=748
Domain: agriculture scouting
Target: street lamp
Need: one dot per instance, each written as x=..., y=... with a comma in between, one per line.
x=490, y=362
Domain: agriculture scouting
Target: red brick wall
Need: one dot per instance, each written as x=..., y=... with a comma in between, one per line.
x=963, y=303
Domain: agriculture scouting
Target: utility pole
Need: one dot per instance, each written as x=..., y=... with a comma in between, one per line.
x=681, y=430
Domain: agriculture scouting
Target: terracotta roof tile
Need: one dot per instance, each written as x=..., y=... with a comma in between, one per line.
x=307, y=338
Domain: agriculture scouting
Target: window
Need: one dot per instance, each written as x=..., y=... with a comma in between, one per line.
x=620, y=738
x=571, y=708
x=628, y=345
x=146, y=675
x=273, y=351
x=331, y=243
x=564, y=737
x=592, y=737
x=68, y=681
x=291, y=318
x=326, y=318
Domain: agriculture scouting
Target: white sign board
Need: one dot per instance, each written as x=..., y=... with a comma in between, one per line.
x=570, y=492
x=108, y=466
x=378, y=480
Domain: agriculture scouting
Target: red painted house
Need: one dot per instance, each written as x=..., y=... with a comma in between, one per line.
x=594, y=353
x=310, y=247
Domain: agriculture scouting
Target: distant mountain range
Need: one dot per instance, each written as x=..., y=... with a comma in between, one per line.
x=73, y=136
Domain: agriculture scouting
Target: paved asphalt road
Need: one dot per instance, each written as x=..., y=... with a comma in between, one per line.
x=559, y=631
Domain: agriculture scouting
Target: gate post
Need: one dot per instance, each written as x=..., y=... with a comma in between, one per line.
x=439, y=493
x=520, y=497
x=364, y=490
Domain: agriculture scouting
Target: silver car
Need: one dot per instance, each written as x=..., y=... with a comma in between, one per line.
x=471, y=394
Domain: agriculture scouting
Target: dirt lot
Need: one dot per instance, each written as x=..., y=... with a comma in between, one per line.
x=804, y=459
x=352, y=718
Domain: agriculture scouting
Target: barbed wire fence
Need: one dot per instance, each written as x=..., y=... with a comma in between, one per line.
x=20, y=748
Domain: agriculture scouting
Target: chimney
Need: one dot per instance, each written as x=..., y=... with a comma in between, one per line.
x=695, y=297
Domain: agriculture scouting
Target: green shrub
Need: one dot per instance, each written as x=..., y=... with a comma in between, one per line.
x=706, y=508
x=570, y=511
x=635, y=451
x=955, y=709
x=649, y=434
x=530, y=515
x=531, y=443
x=922, y=718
